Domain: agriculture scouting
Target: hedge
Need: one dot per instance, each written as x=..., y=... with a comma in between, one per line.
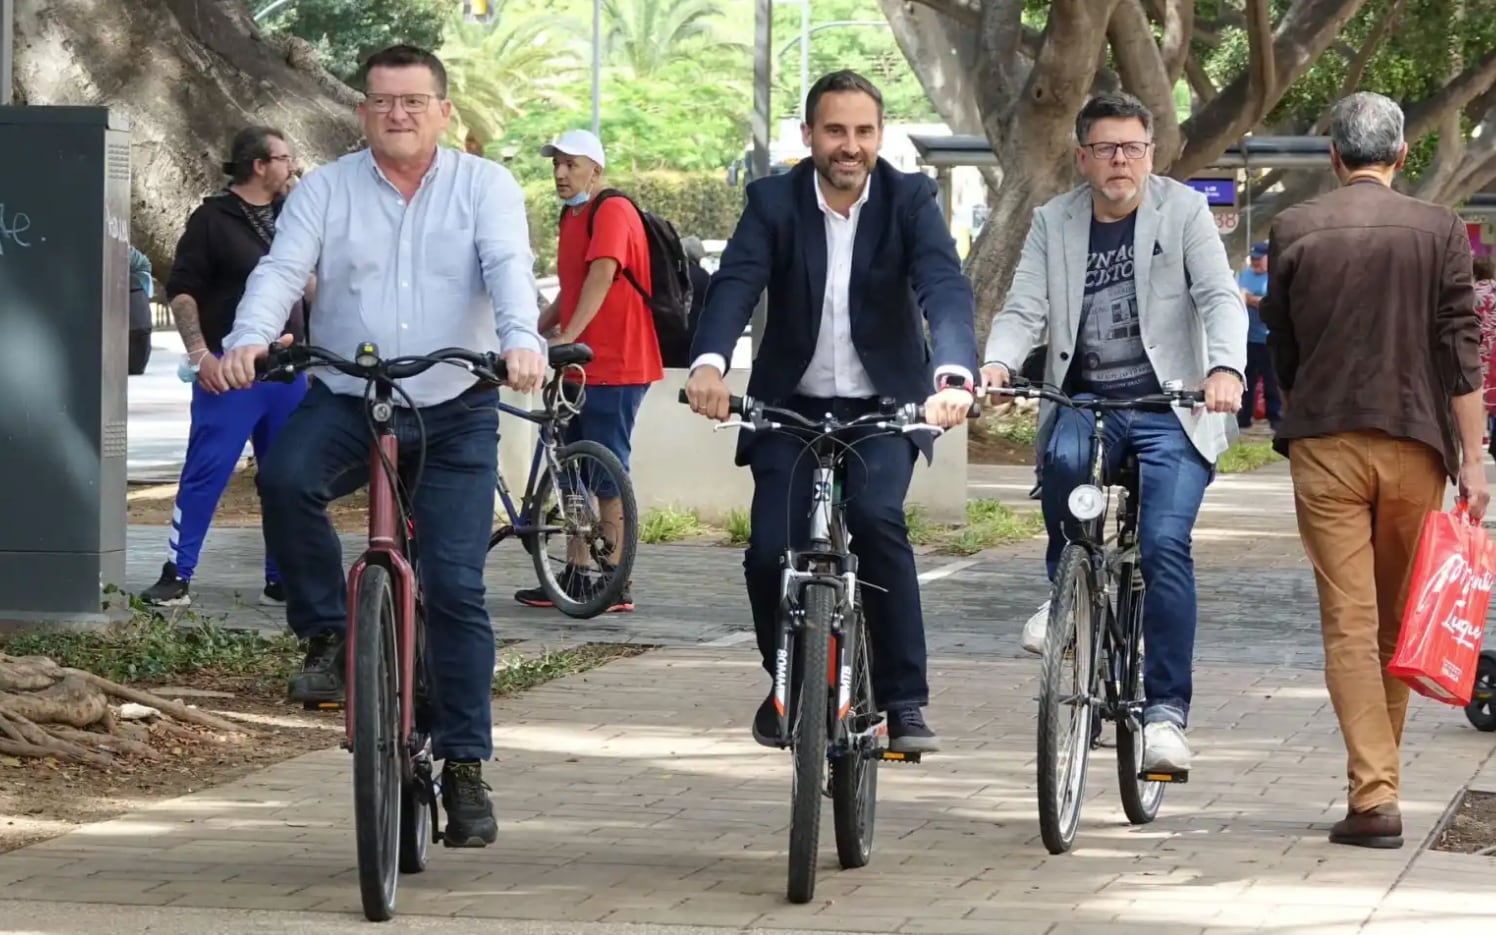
x=703, y=205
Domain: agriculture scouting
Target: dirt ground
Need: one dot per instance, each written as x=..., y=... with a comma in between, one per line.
x=240, y=505
x=994, y=449
x=41, y=799
x=1473, y=827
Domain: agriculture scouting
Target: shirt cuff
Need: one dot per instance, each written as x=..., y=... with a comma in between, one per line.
x=957, y=370
x=244, y=338
x=711, y=360
x=522, y=341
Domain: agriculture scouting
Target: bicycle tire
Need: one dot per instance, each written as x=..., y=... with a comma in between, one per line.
x=1060, y=801
x=812, y=711
x=377, y=743
x=1140, y=799
x=854, y=776
x=415, y=808
x=602, y=598
x=1481, y=711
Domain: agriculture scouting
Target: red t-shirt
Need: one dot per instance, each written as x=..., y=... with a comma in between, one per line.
x=625, y=349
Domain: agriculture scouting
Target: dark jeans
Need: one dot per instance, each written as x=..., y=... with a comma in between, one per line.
x=323, y=454
x=1172, y=480
x=607, y=417
x=1260, y=364
x=878, y=473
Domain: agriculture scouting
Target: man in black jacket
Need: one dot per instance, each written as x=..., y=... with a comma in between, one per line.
x=225, y=238
x=845, y=244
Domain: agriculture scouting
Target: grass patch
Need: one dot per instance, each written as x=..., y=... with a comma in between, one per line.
x=669, y=524
x=519, y=673
x=153, y=648
x=1246, y=456
x=989, y=523
x=737, y=526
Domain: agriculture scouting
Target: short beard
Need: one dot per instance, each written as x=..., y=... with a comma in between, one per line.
x=827, y=170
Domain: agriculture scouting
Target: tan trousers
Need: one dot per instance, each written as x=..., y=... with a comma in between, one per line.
x=1361, y=498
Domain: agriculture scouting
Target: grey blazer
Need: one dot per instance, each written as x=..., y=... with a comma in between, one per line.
x=1191, y=312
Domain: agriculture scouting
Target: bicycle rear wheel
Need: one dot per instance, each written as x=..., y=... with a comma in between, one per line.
x=569, y=501
x=1068, y=675
x=812, y=710
x=854, y=774
x=377, y=746
x=1140, y=798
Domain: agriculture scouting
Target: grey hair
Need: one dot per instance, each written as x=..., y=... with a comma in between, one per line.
x=1367, y=130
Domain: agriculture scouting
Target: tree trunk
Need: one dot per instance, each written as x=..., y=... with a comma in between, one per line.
x=188, y=74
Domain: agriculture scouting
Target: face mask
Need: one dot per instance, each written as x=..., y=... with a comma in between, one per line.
x=577, y=200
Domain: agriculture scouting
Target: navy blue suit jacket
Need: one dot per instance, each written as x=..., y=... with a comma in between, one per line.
x=905, y=272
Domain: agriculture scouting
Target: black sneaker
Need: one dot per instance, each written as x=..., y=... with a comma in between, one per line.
x=908, y=733
x=571, y=580
x=470, y=821
x=274, y=594
x=169, y=591
x=766, y=724
x=321, y=675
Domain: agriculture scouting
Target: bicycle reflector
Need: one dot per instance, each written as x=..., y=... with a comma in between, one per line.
x=1086, y=502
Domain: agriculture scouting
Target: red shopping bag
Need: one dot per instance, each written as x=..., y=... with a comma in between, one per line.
x=1445, y=616
x=1259, y=403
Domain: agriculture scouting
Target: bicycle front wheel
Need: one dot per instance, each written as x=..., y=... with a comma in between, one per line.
x=567, y=511
x=854, y=774
x=1068, y=675
x=377, y=747
x=812, y=710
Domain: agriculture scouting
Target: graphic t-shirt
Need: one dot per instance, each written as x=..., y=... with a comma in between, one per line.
x=1110, y=358
x=1255, y=283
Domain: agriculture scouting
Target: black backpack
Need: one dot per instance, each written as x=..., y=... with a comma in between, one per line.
x=669, y=274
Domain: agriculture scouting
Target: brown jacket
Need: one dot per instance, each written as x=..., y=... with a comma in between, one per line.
x=1371, y=317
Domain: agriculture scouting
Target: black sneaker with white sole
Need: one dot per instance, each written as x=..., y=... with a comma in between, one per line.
x=169, y=591
x=274, y=594
x=908, y=732
x=470, y=819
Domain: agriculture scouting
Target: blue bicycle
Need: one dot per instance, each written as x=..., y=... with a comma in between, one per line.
x=577, y=494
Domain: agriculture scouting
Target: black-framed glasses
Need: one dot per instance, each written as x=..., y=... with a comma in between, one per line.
x=410, y=103
x=1107, y=151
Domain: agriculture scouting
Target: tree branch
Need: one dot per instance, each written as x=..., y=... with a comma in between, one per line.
x=1140, y=65
x=1001, y=39
x=964, y=13
x=1199, y=80
x=1262, y=76
x=1178, y=19
x=1357, y=69
x=1423, y=117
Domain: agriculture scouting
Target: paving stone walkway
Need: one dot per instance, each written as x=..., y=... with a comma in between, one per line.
x=632, y=799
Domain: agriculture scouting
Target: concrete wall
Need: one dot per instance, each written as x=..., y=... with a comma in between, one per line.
x=679, y=460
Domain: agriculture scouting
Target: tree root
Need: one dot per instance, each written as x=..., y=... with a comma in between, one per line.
x=47, y=710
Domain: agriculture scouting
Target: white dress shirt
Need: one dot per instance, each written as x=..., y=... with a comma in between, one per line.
x=835, y=369
x=451, y=268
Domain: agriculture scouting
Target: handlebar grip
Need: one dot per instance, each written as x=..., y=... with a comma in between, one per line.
x=975, y=412
x=277, y=366
x=734, y=403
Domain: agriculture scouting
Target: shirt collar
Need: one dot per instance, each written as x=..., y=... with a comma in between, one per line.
x=379, y=173
x=867, y=186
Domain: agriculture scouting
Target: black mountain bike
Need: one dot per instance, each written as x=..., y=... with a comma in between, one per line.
x=834, y=716
x=1093, y=648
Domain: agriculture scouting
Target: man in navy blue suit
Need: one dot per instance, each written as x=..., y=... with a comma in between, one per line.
x=856, y=258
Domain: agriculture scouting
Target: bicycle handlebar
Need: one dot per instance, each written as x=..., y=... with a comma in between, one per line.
x=908, y=417
x=282, y=364
x=1173, y=394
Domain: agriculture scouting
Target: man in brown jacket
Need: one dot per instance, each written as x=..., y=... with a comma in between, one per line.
x=1374, y=335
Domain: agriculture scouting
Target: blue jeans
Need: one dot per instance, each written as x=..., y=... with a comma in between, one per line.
x=607, y=417
x=323, y=454
x=221, y=424
x=1172, y=477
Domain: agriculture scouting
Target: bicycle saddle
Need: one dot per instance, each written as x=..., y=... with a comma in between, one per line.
x=564, y=355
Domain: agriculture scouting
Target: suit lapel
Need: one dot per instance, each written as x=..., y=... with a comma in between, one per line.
x=813, y=248
x=871, y=221
x=1077, y=237
x=1145, y=235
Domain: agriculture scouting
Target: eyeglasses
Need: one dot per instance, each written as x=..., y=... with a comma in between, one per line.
x=1106, y=151
x=410, y=103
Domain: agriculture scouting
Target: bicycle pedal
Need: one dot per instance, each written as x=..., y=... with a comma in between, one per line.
x=894, y=756
x=322, y=706
x=1156, y=775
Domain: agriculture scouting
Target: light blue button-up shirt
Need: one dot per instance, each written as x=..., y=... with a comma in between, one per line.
x=452, y=268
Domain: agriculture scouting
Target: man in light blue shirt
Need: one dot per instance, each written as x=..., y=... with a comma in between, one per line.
x=415, y=248
x=1253, y=283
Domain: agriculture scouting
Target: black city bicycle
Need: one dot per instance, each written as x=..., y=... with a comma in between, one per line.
x=1093, y=647
x=834, y=717
x=388, y=700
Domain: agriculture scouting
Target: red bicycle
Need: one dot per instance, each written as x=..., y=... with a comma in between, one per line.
x=387, y=703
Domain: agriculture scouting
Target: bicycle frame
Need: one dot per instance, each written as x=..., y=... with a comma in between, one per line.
x=548, y=421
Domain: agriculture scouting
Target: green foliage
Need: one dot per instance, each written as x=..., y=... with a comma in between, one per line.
x=669, y=524
x=498, y=71
x=345, y=32
x=645, y=36
x=869, y=50
x=703, y=205
x=1246, y=456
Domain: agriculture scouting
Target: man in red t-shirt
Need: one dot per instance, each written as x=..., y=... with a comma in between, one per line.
x=600, y=308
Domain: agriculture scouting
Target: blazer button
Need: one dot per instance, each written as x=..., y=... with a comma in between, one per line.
x=1064, y=355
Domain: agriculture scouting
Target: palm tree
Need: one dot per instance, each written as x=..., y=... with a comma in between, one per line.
x=497, y=71
x=645, y=35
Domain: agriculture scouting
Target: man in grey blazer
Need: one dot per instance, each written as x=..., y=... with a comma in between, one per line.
x=1128, y=281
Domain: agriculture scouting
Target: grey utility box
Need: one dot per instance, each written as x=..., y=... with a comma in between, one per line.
x=64, y=281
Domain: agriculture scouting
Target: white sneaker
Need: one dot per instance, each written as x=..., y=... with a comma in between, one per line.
x=1164, y=748
x=1034, y=629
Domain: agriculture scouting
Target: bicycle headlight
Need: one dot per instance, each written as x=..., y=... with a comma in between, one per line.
x=1086, y=502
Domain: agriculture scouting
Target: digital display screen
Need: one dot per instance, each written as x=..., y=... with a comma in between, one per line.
x=1219, y=193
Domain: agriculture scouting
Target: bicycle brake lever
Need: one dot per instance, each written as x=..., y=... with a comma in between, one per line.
x=736, y=424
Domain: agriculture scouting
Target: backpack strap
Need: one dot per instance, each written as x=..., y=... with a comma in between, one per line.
x=597, y=201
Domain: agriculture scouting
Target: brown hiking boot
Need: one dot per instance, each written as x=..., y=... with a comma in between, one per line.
x=1379, y=827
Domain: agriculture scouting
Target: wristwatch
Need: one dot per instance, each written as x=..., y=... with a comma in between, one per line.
x=952, y=381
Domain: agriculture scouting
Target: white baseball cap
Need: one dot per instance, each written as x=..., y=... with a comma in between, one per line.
x=576, y=143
